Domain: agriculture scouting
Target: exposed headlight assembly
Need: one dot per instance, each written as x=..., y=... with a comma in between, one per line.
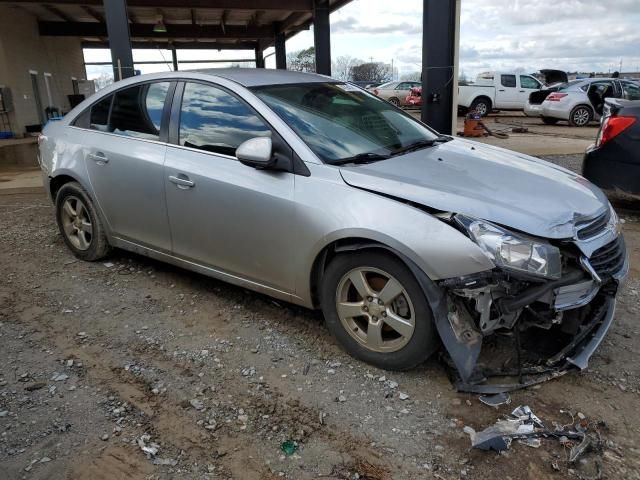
x=513, y=251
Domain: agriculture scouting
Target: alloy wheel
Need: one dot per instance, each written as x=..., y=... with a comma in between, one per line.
x=76, y=223
x=581, y=117
x=375, y=309
x=481, y=109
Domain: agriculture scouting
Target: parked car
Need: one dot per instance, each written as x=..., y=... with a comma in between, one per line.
x=497, y=90
x=581, y=101
x=394, y=92
x=414, y=99
x=318, y=193
x=553, y=81
x=613, y=162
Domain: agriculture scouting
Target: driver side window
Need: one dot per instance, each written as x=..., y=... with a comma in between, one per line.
x=214, y=120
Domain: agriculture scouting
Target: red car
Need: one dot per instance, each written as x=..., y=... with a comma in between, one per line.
x=414, y=98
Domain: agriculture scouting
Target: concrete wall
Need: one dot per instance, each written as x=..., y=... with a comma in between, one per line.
x=22, y=50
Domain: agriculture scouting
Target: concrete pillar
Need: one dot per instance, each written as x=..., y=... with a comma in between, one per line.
x=259, y=58
x=115, y=12
x=322, y=36
x=439, y=70
x=281, y=52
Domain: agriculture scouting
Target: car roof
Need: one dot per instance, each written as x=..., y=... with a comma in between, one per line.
x=254, y=77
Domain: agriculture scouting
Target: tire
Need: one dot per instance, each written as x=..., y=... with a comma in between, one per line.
x=481, y=105
x=394, y=101
x=392, y=349
x=549, y=120
x=79, y=223
x=580, y=116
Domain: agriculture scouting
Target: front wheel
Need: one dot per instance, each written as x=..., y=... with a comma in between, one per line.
x=80, y=224
x=395, y=102
x=377, y=311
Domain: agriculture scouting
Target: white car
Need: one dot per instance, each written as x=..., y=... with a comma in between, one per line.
x=497, y=90
x=581, y=101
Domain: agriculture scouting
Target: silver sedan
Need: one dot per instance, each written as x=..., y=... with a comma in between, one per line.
x=316, y=192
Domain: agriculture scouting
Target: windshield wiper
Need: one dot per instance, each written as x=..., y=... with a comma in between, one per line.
x=367, y=157
x=421, y=144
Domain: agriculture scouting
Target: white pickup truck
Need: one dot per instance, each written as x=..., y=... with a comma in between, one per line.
x=497, y=90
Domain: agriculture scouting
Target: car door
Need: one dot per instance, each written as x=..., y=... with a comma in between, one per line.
x=401, y=91
x=124, y=157
x=629, y=90
x=528, y=85
x=506, y=92
x=224, y=214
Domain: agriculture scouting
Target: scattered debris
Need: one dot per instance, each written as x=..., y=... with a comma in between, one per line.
x=197, y=404
x=150, y=449
x=35, y=386
x=496, y=400
x=289, y=447
x=403, y=396
x=165, y=461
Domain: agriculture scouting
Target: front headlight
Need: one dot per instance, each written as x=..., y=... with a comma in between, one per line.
x=512, y=251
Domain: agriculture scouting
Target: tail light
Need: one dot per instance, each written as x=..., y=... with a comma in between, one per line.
x=555, y=96
x=612, y=127
x=375, y=91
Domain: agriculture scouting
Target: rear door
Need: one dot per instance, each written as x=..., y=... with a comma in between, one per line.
x=507, y=92
x=224, y=214
x=124, y=158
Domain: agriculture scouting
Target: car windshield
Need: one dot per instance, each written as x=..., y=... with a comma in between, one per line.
x=339, y=121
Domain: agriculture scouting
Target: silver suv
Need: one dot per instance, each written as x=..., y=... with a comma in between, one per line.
x=317, y=192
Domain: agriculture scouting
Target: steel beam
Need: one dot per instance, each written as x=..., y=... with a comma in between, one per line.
x=439, y=20
x=322, y=36
x=166, y=44
x=288, y=5
x=93, y=29
x=119, y=40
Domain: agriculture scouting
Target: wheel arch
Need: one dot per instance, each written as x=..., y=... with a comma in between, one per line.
x=337, y=246
x=57, y=181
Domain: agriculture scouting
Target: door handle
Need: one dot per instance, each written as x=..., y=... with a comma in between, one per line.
x=501, y=90
x=98, y=157
x=182, y=181
x=521, y=91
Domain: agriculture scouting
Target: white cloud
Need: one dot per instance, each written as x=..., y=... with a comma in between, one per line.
x=584, y=35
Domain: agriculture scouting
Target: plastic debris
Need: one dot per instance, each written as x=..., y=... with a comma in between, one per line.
x=150, y=449
x=289, y=447
x=496, y=400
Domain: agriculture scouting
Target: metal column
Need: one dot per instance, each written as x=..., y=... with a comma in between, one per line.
x=439, y=21
x=281, y=52
x=259, y=58
x=322, y=36
x=174, y=58
x=115, y=12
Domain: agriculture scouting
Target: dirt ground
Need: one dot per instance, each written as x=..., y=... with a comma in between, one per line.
x=102, y=361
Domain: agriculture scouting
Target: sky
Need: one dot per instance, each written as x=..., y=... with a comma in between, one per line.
x=570, y=35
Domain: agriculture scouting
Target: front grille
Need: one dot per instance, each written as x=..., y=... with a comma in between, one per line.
x=609, y=259
x=589, y=228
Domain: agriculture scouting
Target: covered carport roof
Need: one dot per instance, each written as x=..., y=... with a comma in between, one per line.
x=219, y=24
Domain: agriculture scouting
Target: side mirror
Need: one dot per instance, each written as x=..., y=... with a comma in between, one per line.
x=256, y=152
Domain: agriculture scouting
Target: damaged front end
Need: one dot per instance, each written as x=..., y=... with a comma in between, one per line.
x=540, y=313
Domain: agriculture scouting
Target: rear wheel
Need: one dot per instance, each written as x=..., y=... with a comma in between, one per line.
x=394, y=101
x=549, y=120
x=376, y=309
x=580, y=116
x=481, y=105
x=79, y=223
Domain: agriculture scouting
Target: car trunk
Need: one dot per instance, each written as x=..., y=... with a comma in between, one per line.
x=551, y=77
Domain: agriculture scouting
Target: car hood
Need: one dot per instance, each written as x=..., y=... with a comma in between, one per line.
x=498, y=185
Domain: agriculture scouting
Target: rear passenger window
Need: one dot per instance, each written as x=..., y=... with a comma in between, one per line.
x=99, y=119
x=508, y=80
x=213, y=120
x=137, y=110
